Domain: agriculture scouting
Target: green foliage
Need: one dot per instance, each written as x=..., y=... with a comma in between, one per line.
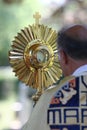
x=13, y=18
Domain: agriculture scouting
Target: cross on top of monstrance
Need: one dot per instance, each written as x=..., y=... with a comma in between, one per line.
x=37, y=16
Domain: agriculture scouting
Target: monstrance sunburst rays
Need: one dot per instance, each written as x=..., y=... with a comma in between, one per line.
x=33, y=57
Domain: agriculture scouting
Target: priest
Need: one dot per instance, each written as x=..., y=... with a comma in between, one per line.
x=64, y=105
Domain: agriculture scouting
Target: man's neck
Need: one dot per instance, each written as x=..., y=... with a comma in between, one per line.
x=73, y=65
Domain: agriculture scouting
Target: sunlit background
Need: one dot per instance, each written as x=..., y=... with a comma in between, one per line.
x=15, y=98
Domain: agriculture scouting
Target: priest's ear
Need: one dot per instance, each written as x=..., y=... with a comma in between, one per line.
x=63, y=57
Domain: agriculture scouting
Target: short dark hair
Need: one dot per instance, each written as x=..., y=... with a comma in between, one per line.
x=73, y=40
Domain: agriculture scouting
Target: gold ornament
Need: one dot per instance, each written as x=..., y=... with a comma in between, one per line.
x=33, y=57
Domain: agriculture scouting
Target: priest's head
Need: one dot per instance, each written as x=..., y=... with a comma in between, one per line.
x=72, y=48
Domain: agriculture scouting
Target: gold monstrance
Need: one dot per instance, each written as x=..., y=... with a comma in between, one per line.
x=33, y=57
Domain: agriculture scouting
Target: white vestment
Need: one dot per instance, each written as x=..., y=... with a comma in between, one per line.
x=40, y=118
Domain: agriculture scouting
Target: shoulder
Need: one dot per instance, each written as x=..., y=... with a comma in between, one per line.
x=65, y=95
x=61, y=83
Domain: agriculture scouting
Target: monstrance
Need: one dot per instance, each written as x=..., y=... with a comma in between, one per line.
x=33, y=57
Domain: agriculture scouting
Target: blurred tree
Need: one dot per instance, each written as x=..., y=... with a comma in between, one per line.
x=13, y=18
x=69, y=12
x=11, y=1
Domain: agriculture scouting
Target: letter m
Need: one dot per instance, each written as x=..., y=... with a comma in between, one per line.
x=53, y=116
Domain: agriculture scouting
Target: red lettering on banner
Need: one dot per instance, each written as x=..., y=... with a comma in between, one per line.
x=72, y=83
x=55, y=101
